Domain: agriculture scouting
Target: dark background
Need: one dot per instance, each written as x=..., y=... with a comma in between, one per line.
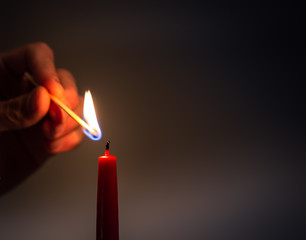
x=204, y=105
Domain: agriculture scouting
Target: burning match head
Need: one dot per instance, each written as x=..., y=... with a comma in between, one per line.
x=94, y=134
x=89, y=123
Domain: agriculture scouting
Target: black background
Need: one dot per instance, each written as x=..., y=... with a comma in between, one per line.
x=203, y=103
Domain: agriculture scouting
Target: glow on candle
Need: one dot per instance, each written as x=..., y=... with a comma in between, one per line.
x=89, y=116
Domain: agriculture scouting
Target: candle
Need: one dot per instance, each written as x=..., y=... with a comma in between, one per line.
x=107, y=201
x=107, y=194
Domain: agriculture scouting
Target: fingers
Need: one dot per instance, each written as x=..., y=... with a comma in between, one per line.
x=62, y=132
x=65, y=143
x=57, y=116
x=40, y=60
x=36, y=58
x=55, y=130
x=65, y=136
x=71, y=97
x=24, y=111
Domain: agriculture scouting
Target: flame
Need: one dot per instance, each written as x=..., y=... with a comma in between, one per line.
x=89, y=115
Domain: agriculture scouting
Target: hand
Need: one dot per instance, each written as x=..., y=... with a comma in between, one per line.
x=32, y=127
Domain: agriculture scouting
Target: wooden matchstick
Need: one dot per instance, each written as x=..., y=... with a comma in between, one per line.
x=64, y=107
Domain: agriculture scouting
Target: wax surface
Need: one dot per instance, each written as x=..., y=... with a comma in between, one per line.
x=107, y=202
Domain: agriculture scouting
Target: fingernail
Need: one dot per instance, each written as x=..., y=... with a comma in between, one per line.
x=57, y=88
x=55, y=78
x=60, y=90
x=56, y=114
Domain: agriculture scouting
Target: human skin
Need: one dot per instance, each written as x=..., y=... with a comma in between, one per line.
x=32, y=127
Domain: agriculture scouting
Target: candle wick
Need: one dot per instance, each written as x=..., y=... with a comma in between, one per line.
x=107, y=145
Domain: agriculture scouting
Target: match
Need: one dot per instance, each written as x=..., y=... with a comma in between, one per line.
x=64, y=107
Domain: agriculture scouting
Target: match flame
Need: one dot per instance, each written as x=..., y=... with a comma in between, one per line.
x=89, y=115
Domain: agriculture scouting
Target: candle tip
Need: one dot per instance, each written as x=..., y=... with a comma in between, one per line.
x=107, y=145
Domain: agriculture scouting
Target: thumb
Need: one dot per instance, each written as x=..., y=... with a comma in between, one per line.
x=24, y=111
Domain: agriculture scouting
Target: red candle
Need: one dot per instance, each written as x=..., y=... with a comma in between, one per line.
x=107, y=202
